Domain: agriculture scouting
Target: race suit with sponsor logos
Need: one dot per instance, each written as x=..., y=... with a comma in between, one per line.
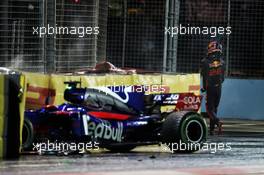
x=213, y=71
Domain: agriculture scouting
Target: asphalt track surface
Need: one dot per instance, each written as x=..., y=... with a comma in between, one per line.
x=245, y=157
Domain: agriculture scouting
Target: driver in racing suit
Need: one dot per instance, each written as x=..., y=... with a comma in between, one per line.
x=212, y=72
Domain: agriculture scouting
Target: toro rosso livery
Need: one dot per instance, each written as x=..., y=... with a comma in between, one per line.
x=118, y=118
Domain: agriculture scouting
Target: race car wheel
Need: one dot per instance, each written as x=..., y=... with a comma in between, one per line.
x=120, y=148
x=184, y=132
x=27, y=135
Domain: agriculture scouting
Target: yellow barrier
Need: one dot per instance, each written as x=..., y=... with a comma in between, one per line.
x=57, y=87
x=22, y=104
x=118, y=80
x=92, y=81
x=37, y=89
x=49, y=89
x=182, y=83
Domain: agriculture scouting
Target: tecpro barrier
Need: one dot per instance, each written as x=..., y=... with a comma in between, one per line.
x=11, y=114
x=49, y=89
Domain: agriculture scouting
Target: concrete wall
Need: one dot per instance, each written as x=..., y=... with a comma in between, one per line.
x=242, y=99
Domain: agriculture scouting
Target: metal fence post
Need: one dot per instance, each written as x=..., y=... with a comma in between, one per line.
x=54, y=40
x=165, y=38
x=175, y=39
x=124, y=34
x=96, y=23
x=171, y=42
x=50, y=51
x=4, y=32
x=44, y=23
x=228, y=39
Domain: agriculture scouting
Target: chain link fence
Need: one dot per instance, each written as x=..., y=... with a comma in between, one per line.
x=76, y=51
x=242, y=48
x=51, y=35
x=137, y=34
x=133, y=33
x=203, y=15
x=246, y=46
x=19, y=48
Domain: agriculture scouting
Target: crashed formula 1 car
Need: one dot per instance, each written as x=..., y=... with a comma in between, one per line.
x=118, y=118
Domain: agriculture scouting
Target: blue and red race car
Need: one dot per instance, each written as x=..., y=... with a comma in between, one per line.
x=118, y=118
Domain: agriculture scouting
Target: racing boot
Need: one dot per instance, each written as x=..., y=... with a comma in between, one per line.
x=212, y=127
x=215, y=123
x=220, y=127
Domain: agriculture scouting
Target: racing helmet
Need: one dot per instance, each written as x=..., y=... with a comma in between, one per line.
x=214, y=47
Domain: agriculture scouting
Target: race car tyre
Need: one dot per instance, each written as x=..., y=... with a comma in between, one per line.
x=184, y=132
x=120, y=148
x=27, y=135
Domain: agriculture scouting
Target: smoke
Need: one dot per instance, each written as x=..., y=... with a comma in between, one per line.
x=17, y=62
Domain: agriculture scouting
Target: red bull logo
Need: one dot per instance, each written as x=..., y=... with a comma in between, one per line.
x=102, y=130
